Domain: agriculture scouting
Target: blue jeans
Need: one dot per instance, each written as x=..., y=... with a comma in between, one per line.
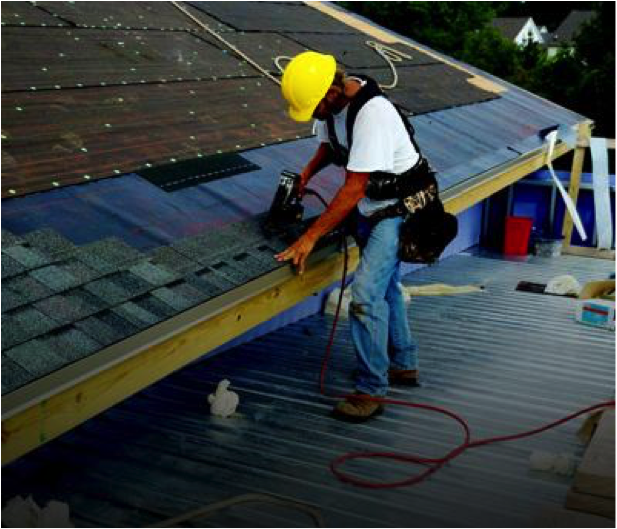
x=378, y=319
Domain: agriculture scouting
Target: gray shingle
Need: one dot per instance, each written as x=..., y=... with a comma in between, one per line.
x=72, y=344
x=235, y=275
x=172, y=260
x=81, y=272
x=11, y=267
x=27, y=288
x=103, y=331
x=50, y=243
x=221, y=282
x=202, y=284
x=13, y=375
x=153, y=274
x=24, y=324
x=56, y=278
x=155, y=306
x=28, y=257
x=71, y=306
x=37, y=357
x=107, y=290
x=121, y=326
x=108, y=255
x=173, y=298
x=191, y=293
x=10, y=299
x=136, y=315
x=255, y=263
x=10, y=239
x=132, y=284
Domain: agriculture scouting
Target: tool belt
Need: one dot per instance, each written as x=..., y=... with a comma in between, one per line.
x=427, y=228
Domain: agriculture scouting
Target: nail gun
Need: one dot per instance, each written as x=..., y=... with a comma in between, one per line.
x=287, y=205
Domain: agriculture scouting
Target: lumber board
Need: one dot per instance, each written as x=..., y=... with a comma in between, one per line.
x=559, y=517
x=596, y=473
x=591, y=504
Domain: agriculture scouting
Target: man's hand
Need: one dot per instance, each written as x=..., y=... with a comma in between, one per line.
x=298, y=251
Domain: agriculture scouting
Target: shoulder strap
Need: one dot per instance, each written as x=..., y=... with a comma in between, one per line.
x=340, y=153
x=370, y=90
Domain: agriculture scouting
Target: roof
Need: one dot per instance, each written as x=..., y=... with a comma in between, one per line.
x=87, y=266
x=570, y=27
x=505, y=360
x=107, y=76
x=509, y=27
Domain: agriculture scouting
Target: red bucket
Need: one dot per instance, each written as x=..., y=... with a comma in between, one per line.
x=518, y=230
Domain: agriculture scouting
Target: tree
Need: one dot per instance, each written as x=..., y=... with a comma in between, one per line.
x=582, y=81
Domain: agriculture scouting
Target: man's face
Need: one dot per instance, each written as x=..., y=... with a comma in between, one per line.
x=331, y=104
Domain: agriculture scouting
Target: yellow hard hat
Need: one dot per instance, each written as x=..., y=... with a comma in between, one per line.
x=306, y=80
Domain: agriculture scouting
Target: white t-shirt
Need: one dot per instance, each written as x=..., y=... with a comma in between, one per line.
x=380, y=143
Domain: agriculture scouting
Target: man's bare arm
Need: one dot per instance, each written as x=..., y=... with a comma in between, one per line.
x=344, y=201
x=342, y=204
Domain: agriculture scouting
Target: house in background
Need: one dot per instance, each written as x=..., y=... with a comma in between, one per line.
x=520, y=30
x=564, y=35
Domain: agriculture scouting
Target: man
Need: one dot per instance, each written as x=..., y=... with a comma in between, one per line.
x=385, y=349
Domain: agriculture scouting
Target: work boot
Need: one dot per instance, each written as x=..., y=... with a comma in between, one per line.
x=357, y=408
x=403, y=377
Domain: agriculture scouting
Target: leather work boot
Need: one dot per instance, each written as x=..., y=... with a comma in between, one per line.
x=403, y=377
x=357, y=408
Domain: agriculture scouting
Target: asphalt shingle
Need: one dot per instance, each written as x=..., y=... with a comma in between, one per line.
x=108, y=255
x=37, y=357
x=153, y=274
x=207, y=288
x=11, y=267
x=132, y=284
x=71, y=306
x=136, y=315
x=10, y=299
x=173, y=261
x=80, y=271
x=56, y=278
x=10, y=239
x=28, y=257
x=13, y=375
x=121, y=326
x=220, y=282
x=24, y=324
x=51, y=243
x=155, y=306
x=234, y=275
x=108, y=291
x=189, y=292
x=27, y=289
x=99, y=328
x=173, y=298
x=255, y=263
x=72, y=344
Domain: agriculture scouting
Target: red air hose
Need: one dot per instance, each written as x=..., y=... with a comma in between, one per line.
x=431, y=465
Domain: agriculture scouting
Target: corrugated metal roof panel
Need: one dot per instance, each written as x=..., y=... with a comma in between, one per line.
x=506, y=360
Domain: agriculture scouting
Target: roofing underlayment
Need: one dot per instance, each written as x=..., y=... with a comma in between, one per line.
x=505, y=360
x=186, y=142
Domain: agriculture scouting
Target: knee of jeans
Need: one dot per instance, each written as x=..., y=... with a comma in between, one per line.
x=395, y=291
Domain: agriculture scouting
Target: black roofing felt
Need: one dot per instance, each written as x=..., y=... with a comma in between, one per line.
x=272, y=16
x=24, y=13
x=126, y=86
